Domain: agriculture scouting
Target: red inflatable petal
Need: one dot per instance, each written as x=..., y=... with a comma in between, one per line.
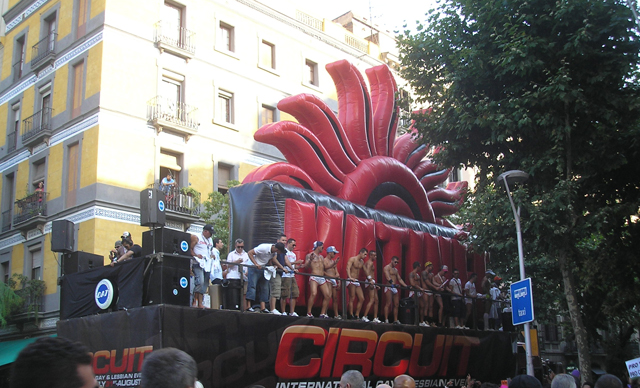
x=374, y=172
x=312, y=113
x=430, y=181
x=385, y=109
x=425, y=167
x=354, y=105
x=302, y=148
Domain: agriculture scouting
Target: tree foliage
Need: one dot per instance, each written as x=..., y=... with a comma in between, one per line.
x=216, y=213
x=551, y=88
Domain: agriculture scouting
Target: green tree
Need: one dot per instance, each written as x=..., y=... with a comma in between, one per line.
x=216, y=213
x=549, y=87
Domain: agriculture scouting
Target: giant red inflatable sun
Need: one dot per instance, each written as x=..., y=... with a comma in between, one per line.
x=356, y=155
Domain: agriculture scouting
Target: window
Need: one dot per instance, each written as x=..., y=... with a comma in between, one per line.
x=172, y=92
x=33, y=262
x=50, y=25
x=78, y=78
x=227, y=37
x=310, y=73
x=224, y=176
x=267, y=55
x=81, y=21
x=73, y=162
x=38, y=172
x=170, y=162
x=267, y=115
x=5, y=272
x=19, y=56
x=8, y=197
x=14, y=128
x=172, y=19
x=225, y=106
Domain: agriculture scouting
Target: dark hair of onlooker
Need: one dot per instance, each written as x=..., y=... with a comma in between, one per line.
x=363, y=250
x=608, y=381
x=289, y=241
x=168, y=368
x=416, y=264
x=50, y=362
x=216, y=241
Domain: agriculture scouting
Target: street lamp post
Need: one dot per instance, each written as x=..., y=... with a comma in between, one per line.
x=513, y=177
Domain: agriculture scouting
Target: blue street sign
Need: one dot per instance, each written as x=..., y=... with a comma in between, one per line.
x=521, y=302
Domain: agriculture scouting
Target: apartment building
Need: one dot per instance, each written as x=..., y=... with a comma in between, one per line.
x=100, y=99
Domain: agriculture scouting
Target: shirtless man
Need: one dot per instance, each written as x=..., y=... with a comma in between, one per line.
x=415, y=282
x=354, y=265
x=391, y=276
x=331, y=270
x=427, y=284
x=369, y=269
x=316, y=261
x=439, y=283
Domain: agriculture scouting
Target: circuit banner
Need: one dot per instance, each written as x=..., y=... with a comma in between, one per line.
x=235, y=349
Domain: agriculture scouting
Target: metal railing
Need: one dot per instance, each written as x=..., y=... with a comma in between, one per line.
x=12, y=141
x=357, y=43
x=179, y=202
x=172, y=111
x=6, y=220
x=17, y=70
x=44, y=47
x=32, y=205
x=35, y=124
x=175, y=36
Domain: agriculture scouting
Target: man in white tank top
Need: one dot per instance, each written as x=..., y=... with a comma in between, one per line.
x=201, y=246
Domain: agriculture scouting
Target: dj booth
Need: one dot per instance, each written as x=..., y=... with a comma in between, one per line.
x=159, y=278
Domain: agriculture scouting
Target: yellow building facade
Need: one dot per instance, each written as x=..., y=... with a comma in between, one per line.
x=99, y=99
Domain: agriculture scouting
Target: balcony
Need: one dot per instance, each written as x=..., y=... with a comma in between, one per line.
x=176, y=40
x=17, y=70
x=182, y=205
x=30, y=211
x=44, y=52
x=37, y=128
x=175, y=116
x=12, y=141
x=6, y=221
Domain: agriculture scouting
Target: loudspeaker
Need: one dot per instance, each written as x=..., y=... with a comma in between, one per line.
x=407, y=311
x=169, y=241
x=81, y=261
x=152, y=206
x=167, y=281
x=62, y=232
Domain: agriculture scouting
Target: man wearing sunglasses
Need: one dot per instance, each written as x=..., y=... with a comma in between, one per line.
x=290, y=287
x=235, y=273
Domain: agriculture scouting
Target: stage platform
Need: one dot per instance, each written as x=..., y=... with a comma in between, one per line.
x=236, y=349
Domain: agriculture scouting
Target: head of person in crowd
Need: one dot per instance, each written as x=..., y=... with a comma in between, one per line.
x=588, y=384
x=239, y=245
x=525, y=381
x=53, y=362
x=473, y=277
x=352, y=379
x=125, y=234
x=444, y=269
x=331, y=252
x=608, y=381
x=217, y=243
x=416, y=264
x=383, y=386
x=207, y=231
x=169, y=368
x=318, y=246
x=373, y=255
x=563, y=380
x=283, y=238
x=279, y=247
x=404, y=381
x=428, y=266
x=291, y=244
x=394, y=261
x=127, y=243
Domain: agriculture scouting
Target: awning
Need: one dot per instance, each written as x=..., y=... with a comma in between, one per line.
x=9, y=349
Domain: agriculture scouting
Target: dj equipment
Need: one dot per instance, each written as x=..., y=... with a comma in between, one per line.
x=166, y=241
x=152, y=207
x=62, y=232
x=80, y=261
x=166, y=280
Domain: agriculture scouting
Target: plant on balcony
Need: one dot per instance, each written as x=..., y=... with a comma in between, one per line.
x=191, y=192
x=24, y=299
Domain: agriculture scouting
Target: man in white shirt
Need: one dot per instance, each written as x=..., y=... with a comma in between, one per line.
x=290, y=287
x=455, y=287
x=235, y=274
x=258, y=286
x=216, y=266
x=470, y=291
x=201, y=246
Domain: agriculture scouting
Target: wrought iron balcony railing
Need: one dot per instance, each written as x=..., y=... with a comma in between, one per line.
x=36, y=126
x=179, y=202
x=173, y=112
x=44, y=51
x=6, y=220
x=175, y=36
x=31, y=206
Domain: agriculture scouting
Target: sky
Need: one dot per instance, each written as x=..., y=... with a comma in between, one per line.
x=389, y=13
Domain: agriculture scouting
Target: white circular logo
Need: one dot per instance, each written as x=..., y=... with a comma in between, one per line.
x=184, y=282
x=184, y=246
x=175, y=292
x=104, y=294
x=161, y=205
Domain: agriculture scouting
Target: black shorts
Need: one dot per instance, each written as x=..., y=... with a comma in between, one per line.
x=457, y=308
